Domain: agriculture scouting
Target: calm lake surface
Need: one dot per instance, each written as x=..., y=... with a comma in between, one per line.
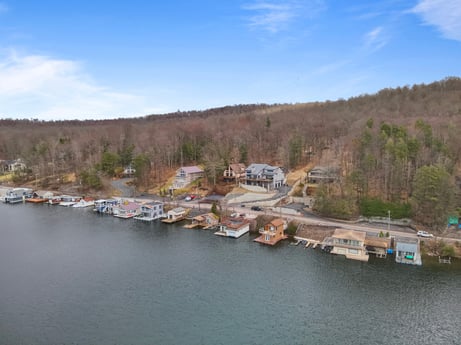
x=70, y=276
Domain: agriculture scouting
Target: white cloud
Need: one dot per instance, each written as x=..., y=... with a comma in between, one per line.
x=275, y=16
x=375, y=39
x=445, y=15
x=37, y=86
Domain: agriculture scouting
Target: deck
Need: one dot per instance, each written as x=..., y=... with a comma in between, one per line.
x=173, y=220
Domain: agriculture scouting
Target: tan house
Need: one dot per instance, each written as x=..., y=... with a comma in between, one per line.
x=377, y=245
x=272, y=232
x=186, y=175
x=234, y=172
x=349, y=243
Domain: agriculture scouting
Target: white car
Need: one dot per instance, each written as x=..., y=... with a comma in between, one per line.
x=424, y=234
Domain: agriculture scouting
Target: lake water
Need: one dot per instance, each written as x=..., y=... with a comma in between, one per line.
x=70, y=276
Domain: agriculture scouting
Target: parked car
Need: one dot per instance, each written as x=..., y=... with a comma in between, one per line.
x=256, y=208
x=424, y=234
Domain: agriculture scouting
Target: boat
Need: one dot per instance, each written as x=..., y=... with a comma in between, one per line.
x=55, y=200
x=67, y=200
x=85, y=202
x=105, y=206
x=40, y=197
x=17, y=195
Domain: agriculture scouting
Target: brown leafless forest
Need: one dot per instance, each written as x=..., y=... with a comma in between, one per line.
x=288, y=135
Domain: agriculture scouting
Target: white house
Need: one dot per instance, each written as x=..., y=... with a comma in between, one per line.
x=151, y=211
x=233, y=227
x=12, y=165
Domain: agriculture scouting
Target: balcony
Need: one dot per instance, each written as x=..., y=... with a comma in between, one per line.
x=266, y=232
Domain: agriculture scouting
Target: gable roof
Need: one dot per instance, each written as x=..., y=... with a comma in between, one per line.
x=349, y=234
x=277, y=222
x=238, y=167
x=192, y=169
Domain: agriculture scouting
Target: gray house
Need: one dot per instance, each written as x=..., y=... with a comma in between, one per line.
x=407, y=251
x=321, y=174
x=264, y=175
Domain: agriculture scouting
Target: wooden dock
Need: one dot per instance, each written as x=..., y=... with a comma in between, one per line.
x=312, y=243
x=191, y=226
x=444, y=260
x=173, y=220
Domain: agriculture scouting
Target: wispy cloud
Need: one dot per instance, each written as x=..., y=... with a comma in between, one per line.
x=445, y=15
x=375, y=39
x=330, y=67
x=275, y=16
x=48, y=88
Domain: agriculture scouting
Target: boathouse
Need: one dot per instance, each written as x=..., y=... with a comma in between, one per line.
x=272, y=232
x=407, y=251
x=233, y=227
x=175, y=215
x=350, y=243
x=151, y=211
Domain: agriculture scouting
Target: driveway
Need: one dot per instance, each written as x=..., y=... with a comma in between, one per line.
x=123, y=188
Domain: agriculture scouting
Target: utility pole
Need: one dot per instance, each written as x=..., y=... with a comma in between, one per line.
x=388, y=220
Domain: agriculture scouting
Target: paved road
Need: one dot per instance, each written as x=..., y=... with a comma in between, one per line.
x=373, y=228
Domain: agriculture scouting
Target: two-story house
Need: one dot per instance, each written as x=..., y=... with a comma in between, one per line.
x=151, y=211
x=234, y=172
x=321, y=174
x=349, y=243
x=272, y=232
x=186, y=175
x=264, y=175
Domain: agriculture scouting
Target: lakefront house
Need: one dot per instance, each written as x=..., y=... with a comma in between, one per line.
x=272, y=232
x=263, y=175
x=233, y=227
x=186, y=175
x=234, y=172
x=349, y=243
x=407, y=251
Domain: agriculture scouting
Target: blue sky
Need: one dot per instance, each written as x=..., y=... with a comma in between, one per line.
x=108, y=59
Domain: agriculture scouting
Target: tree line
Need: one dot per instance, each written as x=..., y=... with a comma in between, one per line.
x=382, y=142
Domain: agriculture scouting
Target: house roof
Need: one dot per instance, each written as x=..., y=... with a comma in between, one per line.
x=277, y=222
x=178, y=210
x=192, y=169
x=350, y=234
x=235, y=223
x=380, y=242
x=238, y=167
x=203, y=217
x=256, y=168
x=129, y=205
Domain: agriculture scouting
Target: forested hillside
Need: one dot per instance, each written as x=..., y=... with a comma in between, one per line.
x=381, y=142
